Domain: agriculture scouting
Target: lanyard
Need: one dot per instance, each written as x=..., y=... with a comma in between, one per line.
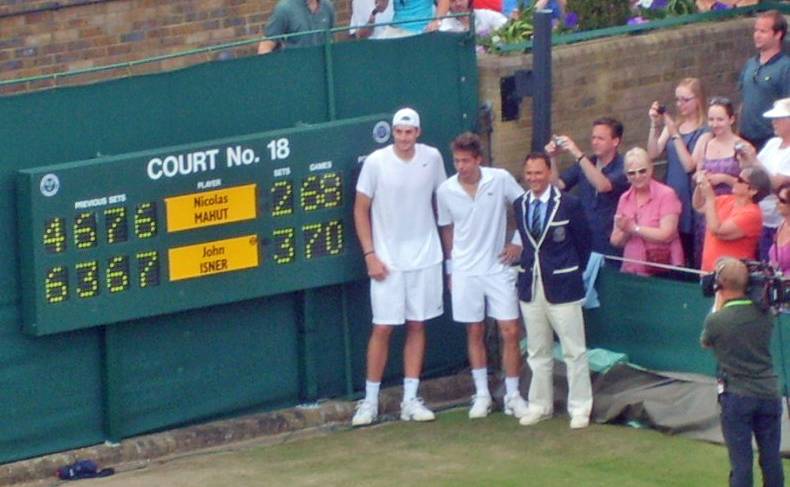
x=737, y=302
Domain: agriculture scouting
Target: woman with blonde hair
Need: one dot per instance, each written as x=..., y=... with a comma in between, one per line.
x=678, y=138
x=646, y=220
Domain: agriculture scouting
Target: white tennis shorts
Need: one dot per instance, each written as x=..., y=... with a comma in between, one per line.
x=407, y=295
x=470, y=294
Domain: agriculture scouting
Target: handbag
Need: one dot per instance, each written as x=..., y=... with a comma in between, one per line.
x=658, y=255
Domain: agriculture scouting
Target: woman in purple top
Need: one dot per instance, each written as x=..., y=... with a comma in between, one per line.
x=779, y=253
x=716, y=156
x=678, y=138
x=646, y=220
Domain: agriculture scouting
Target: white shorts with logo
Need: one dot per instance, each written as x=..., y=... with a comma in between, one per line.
x=407, y=295
x=470, y=293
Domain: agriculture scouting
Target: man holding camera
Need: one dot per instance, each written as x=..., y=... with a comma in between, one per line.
x=739, y=332
x=600, y=178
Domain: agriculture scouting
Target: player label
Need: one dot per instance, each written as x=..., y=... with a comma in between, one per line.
x=198, y=210
x=215, y=257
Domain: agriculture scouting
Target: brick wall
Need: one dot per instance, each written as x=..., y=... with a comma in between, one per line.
x=41, y=37
x=619, y=77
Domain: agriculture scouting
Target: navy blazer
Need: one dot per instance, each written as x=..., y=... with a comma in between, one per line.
x=562, y=251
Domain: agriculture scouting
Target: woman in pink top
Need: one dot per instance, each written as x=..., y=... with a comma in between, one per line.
x=779, y=253
x=646, y=220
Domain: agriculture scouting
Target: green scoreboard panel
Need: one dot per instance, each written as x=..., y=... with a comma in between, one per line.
x=142, y=234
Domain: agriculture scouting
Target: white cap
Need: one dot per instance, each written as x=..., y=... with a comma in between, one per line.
x=406, y=116
x=781, y=109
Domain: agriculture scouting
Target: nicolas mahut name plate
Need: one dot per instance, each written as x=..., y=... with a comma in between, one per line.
x=207, y=209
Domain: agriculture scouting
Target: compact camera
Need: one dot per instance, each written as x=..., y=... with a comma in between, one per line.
x=766, y=287
x=661, y=109
x=557, y=140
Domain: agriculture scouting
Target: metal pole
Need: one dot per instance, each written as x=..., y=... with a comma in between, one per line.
x=541, y=69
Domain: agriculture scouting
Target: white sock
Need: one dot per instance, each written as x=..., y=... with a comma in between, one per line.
x=372, y=391
x=480, y=378
x=511, y=385
x=410, y=386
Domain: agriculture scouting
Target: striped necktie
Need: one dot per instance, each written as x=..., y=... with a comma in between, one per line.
x=535, y=224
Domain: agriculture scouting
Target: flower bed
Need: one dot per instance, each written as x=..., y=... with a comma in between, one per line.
x=590, y=15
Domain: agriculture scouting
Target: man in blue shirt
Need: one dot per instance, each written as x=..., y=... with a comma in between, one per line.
x=600, y=178
x=765, y=78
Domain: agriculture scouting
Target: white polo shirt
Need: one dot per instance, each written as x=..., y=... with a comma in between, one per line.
x=405, y=236
x=479, y=224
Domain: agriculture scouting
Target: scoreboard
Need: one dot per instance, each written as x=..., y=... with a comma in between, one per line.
x=143, y=234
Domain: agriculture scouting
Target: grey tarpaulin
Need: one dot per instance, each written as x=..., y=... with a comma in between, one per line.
x=676, y=403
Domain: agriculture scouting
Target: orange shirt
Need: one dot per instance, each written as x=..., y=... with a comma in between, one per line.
x=747, y=218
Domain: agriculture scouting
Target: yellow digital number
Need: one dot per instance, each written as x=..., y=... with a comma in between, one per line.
x=148, y=268
x=56, y=285
x=310, y=195
x=332, y=189
x=87, y=279
x=118, y=274
x=115, y=221
x=333, y=233
x=284, y=250
x=282, y=198
x=145, y=220
x=54, y=235
x=311, y=233
x=85, y=230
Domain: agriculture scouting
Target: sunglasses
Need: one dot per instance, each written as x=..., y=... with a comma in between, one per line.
x=684, y=99
x=739, y=179
x=637, y=171
x=720, y=100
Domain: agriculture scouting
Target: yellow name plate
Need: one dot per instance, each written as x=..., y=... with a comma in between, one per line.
x=209, y=208
x=215, y=257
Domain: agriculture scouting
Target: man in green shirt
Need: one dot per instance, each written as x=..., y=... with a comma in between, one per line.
x=739, y=332
x=294, y=16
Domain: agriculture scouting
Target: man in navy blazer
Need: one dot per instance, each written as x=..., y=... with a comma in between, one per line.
x=557, y=244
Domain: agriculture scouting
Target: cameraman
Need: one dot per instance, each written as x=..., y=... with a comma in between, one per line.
x=739, y=332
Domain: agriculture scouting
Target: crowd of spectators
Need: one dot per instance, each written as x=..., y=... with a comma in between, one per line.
x=724, y=173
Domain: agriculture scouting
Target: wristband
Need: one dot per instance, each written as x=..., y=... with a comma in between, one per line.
x=579, y=159
x=368, y=253
x=448, y=267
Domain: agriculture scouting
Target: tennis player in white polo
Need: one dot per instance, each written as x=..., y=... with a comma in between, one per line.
x=472, y=207
x=396, y=227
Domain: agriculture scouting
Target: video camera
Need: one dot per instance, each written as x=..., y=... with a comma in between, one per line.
x=766, y=287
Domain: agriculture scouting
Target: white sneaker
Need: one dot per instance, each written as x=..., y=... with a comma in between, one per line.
x=415, y=410
x=533, y=417
x=366, y=413
x=579, y=422
x=515, y=405
x=481, y=406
